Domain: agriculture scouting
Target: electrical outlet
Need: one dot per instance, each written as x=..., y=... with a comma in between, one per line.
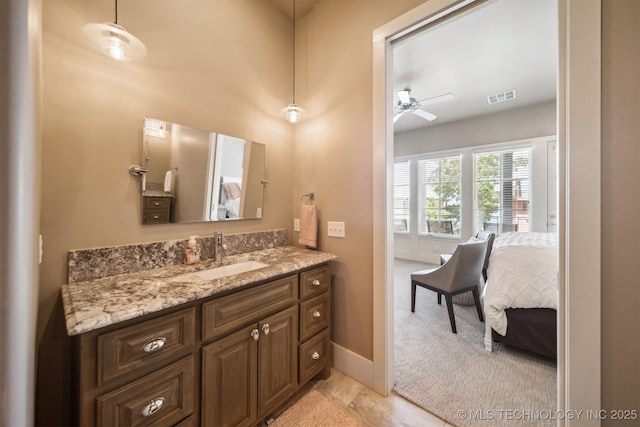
x=296, y=224
x=335, y=229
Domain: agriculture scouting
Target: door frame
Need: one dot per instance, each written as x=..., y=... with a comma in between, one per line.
x=578, y=121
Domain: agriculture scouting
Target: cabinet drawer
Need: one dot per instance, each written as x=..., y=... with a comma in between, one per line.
x=157, y=202
x=314, y=315
x=155, y=216
x=314, y=356
x=162, y=398
x=314, y=281
x=146, y=344
x=228, y=313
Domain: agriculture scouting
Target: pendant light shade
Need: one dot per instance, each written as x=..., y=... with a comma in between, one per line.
x=114, y=41
x=293, y=112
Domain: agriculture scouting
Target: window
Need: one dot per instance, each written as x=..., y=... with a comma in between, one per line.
x=440, y=195
x=502, y=190
x=401, y=196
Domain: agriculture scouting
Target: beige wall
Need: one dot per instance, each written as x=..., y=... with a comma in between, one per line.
x=333, y=149
x=92, y=112
x=620, y=207
x=215, y=65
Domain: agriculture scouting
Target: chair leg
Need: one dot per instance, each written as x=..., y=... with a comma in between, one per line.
x=476, y=298
x=413, y=297
x=452, y=319
x=439, y=298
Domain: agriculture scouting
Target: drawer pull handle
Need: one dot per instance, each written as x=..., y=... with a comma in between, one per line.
x=156, y=203
x=154, y=345
x=156, y=217
x=265, y=328
x=152, y=407
x=316, y=314
x=315, y=355
x=255, y=334
x=315, y=282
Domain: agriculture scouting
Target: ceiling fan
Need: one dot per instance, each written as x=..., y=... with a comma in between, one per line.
x=409, y=104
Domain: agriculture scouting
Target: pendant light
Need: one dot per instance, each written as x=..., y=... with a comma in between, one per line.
x=292, y=112
x=114, y=41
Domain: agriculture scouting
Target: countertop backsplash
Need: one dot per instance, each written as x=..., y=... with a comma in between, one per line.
x=91, y=264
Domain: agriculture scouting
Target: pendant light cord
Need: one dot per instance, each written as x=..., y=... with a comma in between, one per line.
x=294, y=52
x=116, y=21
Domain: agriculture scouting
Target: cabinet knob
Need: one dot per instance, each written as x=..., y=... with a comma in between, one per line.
x=315, y=355
x=152, y=407
x=316, y=314
x=315, y=282
x=255, y=334
x=265, y=328
x=154, y=344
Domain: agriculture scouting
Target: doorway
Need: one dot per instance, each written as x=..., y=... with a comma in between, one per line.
x=485, y=104
x=579, y=147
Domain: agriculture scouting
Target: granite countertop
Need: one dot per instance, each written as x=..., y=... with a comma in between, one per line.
x=156, y=193
x=102, y=302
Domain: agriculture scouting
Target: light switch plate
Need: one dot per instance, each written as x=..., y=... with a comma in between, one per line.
x=296, y=224
x=335, y=229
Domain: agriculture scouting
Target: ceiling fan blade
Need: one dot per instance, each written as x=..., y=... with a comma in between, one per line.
x=424, y=114
x=404, y=96
x=397, y=116
x=439, y=98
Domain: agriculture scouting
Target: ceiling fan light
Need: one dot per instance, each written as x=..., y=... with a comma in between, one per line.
x=115, y=42
x=293, y=113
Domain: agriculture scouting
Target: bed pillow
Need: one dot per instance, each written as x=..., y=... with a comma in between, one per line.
x=231, y=190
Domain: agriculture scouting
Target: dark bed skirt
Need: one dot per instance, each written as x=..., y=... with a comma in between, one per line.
x=531, y=329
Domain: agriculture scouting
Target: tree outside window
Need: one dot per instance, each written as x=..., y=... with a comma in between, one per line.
x=440, y=193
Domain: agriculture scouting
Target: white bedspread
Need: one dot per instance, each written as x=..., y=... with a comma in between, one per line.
x=522, y=273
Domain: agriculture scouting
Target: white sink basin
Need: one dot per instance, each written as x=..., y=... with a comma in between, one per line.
x=228, y=270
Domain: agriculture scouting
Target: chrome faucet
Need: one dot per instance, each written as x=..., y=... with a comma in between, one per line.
x=220, y=247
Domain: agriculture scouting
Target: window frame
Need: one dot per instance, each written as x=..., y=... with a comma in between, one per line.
x=502, y=149
x=410, y=166
x=422, y=229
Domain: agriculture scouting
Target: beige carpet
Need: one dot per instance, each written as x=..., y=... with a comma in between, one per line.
x=314, y=410
x=447, y=373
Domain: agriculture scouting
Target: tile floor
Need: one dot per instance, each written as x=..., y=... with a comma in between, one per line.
x=371, y=409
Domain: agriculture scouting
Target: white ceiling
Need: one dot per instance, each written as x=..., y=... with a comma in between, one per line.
x=495, y=47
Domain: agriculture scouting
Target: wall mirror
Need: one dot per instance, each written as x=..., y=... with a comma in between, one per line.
x=195, y=175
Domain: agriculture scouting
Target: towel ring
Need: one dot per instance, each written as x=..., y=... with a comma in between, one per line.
x=311, y=196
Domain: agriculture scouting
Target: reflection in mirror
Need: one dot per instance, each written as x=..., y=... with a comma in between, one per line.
x=195, y=175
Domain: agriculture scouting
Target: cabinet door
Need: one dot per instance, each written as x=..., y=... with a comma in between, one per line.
x=278, y=359
x=229, y=380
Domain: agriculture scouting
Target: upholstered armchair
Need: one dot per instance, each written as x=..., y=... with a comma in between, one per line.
x=460, y=274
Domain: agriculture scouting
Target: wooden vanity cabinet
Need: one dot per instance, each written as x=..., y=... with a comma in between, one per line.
x=156, y=210
x=138, y=372
x=314, y=357
x=227, y=361
x=249, y=373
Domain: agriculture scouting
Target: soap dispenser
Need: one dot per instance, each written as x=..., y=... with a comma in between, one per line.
x=192, y=254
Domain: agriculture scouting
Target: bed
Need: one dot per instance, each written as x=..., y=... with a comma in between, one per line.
x=521, y=293
x=230, y=192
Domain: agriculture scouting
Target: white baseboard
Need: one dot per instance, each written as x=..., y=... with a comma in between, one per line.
x=353, y=365
x=417, y=256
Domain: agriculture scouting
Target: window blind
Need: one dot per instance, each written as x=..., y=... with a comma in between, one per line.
x=502, y=190
x=401, y=196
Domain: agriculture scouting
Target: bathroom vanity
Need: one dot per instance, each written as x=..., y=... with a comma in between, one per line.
x=200, y=344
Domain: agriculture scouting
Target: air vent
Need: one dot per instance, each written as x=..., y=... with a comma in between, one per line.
x=501, y=97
